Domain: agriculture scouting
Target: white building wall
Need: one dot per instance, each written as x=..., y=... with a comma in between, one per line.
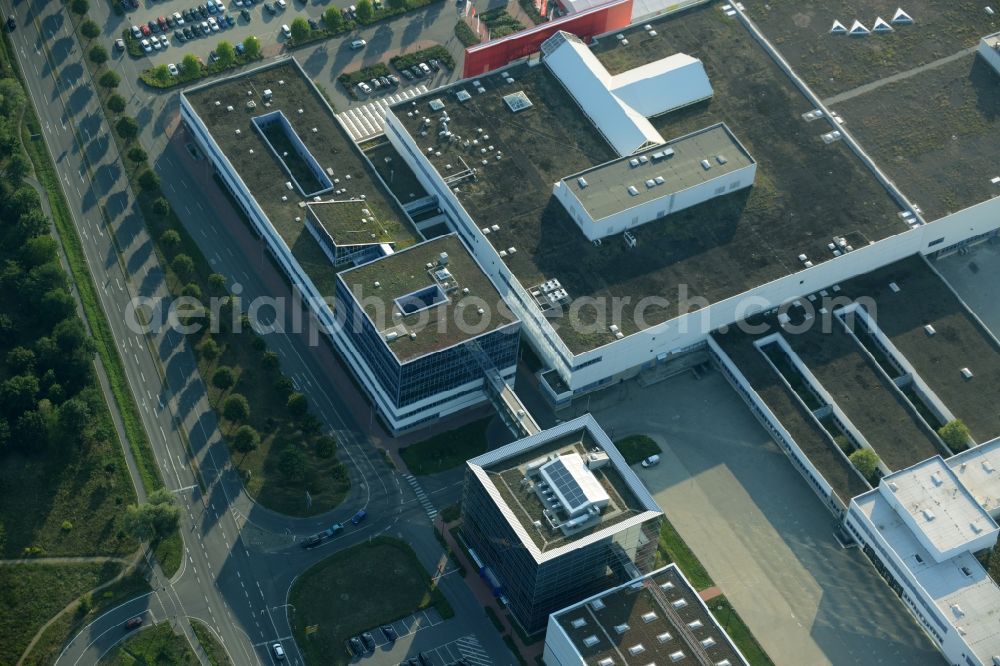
x=559, y=651
x=650, y=210
x=989, y=52
x=442, y=404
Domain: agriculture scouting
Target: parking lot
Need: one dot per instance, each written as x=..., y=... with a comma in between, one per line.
x=425, y=633
x=323, y=60
x=761, y=533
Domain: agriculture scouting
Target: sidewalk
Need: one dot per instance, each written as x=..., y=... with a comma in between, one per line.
x=529, y=653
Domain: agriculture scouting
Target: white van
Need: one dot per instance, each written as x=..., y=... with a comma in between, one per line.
x=358, y=44
x=651, y=461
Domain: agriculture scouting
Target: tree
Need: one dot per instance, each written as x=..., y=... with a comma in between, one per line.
x=74, y=415
x=236, y=408
x=209, y=349
x=11, y=97
x=17, y=394
x=161, y=74
x=116, y=103
x=90, y=29
x=109, y=80
x=333, y=20
x=69, y=335
x=397, y=4
x=154, y=519
x=137, y=154
x=20, y=361
x=161, y=207
x=251, y=47
x=956, y=435
x=300, y=29
x=217, y=281
x=269, y=360
x=293, y=463
x=18, y=167
x=365, y=10
x=866, y=462
x=297, y=404
x=127, y=128
x=183, y=265
x=226, y=53
x=80, y=6
x=56, y=305
x=325, y=446
x=283, y=386
x=31, y=430
x=38, y=251
x=98, y=54
x=190, y=66
x=149, y=181
x=246, y=439
x=223, y=377
x=170, y=239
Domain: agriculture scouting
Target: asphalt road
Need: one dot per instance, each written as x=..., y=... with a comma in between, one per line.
x=239, y=559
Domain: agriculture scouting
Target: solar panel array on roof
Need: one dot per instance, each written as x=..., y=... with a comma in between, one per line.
x=565, y=483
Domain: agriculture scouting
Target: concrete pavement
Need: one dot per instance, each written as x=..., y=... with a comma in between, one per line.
x=758, y=529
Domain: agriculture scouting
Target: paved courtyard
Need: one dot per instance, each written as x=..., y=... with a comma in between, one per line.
x=975, y=277
x=761, y=533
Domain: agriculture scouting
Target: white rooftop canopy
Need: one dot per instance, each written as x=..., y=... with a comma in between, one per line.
x=620, y=105
x=574, y=484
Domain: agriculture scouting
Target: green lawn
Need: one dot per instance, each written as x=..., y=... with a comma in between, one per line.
x=51, y=642
x=30, y=594
x=168, y=553
x=671, y=548
x=447, y=450
x=730, y=620
x=355, y=590
x=154, y=646
x=636, y=448
x=217, y=655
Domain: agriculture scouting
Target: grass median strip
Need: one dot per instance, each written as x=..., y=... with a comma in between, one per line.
x=156, y=645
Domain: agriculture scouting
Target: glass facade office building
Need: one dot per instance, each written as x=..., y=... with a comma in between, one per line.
x=537, y=582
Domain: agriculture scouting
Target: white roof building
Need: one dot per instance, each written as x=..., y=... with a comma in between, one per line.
x=924, y=525
x=619, y=105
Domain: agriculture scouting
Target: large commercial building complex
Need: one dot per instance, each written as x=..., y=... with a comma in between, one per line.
x=922, y=528
x=321, y=208
x=654, y=619
x=556, y=517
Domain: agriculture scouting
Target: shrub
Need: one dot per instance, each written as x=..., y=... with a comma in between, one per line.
x=955, y=435
x=137, y=154
x=209, y=349
x=223, y=377
x=161, y=207
x=866, y=462
x=333, y=20
x=80, y=6
x=66, y=526
x=300, y=29
x=183, y=265
x=465, y=34
x=192, y=290
x=325, y=446
x=170, y=239
x=365, y=10
x=246, y=439
x=297, y=404
x=269, y=360
x=251, y=46
x=216, y=281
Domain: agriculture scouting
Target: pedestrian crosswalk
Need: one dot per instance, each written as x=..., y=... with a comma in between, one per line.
x=421, y=496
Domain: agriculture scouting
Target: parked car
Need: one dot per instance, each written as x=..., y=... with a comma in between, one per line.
x=393, y=80
x=358, y=44
x=365, y=88
x=424, y=659
x=240, y=49
x=270, y=8
x=424, y=68
x=407, y=74
x=136, y=32
x=374, y=83
x=172, y=68
x=286, y=31
x=359, y=516
x=212, y=56
x=384, y=80
x=211, y=8
x=245, y=14
x=119, y=44
x=417, y=72
x=313, y=25
x=162, y=22
x=357, y=647
x=179, y=34
x=146, y=46
x=434, y=64
x=651, y=461
x=155, y=41
x=189, y=32
x=281, y=4
x=133, y=623
x=213, y=24
x=230, y=21
x=206, y=29
x=389, y=633
x=368, y=640
x=178, y=18
x=202, y=11
x=279, y=652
